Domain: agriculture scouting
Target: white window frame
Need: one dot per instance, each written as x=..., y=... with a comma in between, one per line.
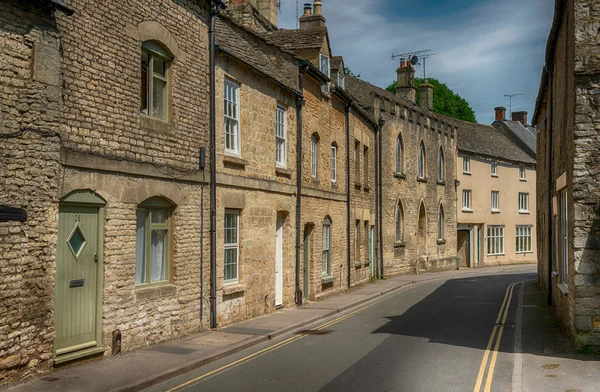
x=421, y=164
x=523, y=203
x=325, y=87
x=524, y=239
x=333, y=164
x=466, y=165
x=341, y=80
x=314, y=157
x=281, y=136
x=495, y=239
x=494, y=168
x=232, y=245
x=466, y=200
x=522, y=173
x=231, y=116
x=495, y=199
x=326, y=249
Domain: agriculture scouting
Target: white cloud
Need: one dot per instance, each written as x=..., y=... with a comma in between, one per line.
x=491, y=49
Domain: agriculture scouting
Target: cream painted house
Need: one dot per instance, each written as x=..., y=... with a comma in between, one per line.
x=496, y=217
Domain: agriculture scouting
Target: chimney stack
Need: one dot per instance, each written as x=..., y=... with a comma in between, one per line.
x=312, y=20
x=520, y=117
x=406, y=81
x=500, y=113
x=426, y=96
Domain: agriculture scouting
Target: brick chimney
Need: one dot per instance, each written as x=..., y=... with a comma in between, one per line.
x=406, y=81
x=500, y=113
x=312, y=20
x=520, y=117
x=426, y=96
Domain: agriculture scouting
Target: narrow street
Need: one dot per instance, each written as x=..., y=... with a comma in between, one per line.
x=445, y=335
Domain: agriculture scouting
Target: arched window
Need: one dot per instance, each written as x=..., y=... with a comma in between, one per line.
x=153, y=241
x=399, y=222
x=399, y=155
x=422, y=169
x=440, y=165
x=314, y=155
x=441, y=224
x=326, y=254
x=154, y=95
x=333, y=163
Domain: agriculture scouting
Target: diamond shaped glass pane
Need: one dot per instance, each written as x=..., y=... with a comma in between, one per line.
x=76, y=241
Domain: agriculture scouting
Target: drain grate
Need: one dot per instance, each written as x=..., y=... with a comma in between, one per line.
x=314, y=332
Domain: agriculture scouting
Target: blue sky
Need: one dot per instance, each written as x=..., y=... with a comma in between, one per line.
x=483, y=48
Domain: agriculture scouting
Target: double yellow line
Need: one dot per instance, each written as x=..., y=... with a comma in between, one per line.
x=499, y=328
x=268, y=349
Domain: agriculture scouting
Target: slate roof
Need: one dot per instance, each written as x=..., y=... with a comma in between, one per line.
x=250, y=48
x=297, y=39
x=490, y=142
x=524, y=135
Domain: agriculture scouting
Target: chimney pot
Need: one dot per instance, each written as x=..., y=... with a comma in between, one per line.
x=500, y=113
x=520, y=117
x=307, y=9
x=317, y=7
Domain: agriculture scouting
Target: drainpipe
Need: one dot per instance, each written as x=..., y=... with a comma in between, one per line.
x=376, y=167
x=380, y=201
x=299, y=105
x=550, y=70
x=347, y=115
x=216, y=7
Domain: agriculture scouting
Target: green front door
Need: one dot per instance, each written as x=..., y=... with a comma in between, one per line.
x=76, y=285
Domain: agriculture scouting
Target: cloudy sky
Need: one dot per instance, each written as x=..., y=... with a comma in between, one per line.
x=483, y=49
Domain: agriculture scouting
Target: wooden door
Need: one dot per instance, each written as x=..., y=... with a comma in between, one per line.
x=76, y=285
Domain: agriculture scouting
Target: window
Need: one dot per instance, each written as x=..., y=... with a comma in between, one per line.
x=441, y=224
x=280, y=137
x=231, y=234
x=523, y=202
x=440, y=165
x=466, y=200
x=341, y=80
x=333, y=164
x=421, y=163
x=367, y=248
x=495, y=201
x=522, y=174
x=324, y=67
x=494, y=169
x=326, y=256
x=366, y=167
x=399, y=155
x=357, y=242
x=399, y=222
x=524, y=239
x=232, y=115
x=155, y=81
x=564, y=239
x=495, y=238
x=314, y=156
x=356, y=162
x=152, y=242
x=467, y=165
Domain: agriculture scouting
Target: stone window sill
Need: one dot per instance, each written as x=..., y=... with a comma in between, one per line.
x=358, y=264
x=281, y=172
x=523, y=179
x=155, y=124
x=467, y=173
x=327, y=279
x=441, y=182
x=563, y=288
x=357, y=185
x=399, y=244
x=143, y=294
x=315, y=181
x=467, y=210
x=441, y=242
x=419, y=179
x=495, y=175
x=523, y=212
x=233, y=288
x=366, y=188
x=495, y=211
x=399, y=175
x=235, y=161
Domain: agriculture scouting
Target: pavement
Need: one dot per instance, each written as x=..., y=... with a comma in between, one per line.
x=544, y=359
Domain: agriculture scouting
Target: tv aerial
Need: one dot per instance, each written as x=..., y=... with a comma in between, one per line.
x=510, y=97
x=414, y=58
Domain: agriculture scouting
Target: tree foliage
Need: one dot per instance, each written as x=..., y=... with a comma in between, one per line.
x=349, y=72
x=445, y=101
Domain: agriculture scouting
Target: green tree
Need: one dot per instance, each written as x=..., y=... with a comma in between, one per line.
x=349, y=72
x=445, y=101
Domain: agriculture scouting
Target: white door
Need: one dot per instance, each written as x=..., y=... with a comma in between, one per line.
x=279, y=263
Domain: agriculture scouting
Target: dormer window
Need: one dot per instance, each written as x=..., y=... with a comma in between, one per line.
x=324, y=67
x=341, y=80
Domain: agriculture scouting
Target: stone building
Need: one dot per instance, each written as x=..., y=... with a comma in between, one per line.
x=496, y=191
x=567, y=116
x=418, y=156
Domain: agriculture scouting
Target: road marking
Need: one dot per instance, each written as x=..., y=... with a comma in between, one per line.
x=486, y=355
x=270, y=348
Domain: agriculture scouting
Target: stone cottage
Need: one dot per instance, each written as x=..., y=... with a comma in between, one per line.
x=567, y=115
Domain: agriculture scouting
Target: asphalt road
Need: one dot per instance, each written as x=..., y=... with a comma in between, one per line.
x=446, y=335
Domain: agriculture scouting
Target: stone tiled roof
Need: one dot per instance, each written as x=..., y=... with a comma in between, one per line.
x=253, y=50
x=524, y=134
x=336, y=63
x=486, y=140
x=297, y=39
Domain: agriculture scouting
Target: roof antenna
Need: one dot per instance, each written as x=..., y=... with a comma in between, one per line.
x=413, y=58
x=297, y=20
x=510, y=97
